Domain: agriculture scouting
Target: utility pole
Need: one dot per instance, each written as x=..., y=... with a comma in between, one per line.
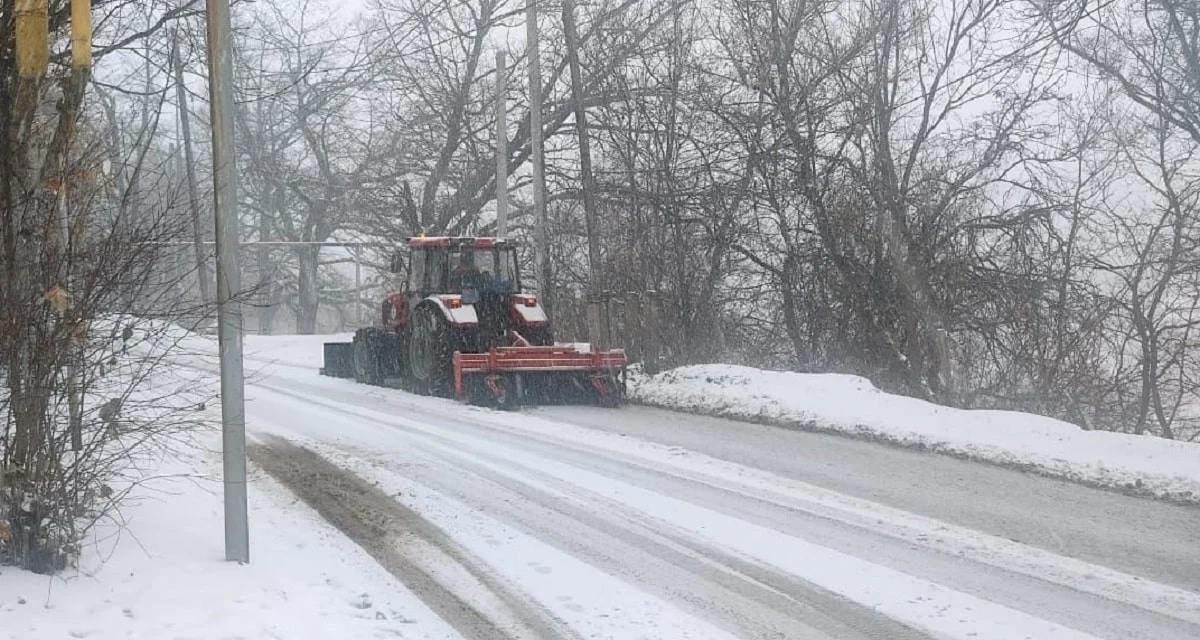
x=539, y=159
x=81, y=69
x=501, y=145
x=597, y=318
x=229, y=311
x=190, y=170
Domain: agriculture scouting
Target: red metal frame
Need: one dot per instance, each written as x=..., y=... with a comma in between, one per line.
x=395, y=309
x=551, y=358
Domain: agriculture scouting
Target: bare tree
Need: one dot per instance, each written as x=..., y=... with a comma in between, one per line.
x=72, y=258
x=189, y=159
x=306, y=150
x=434, y=95
x=670, y=187
x=1150, y=48
x=1159, y=268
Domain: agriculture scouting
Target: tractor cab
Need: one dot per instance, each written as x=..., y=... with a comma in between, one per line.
x=476, y=282
x=469, y=267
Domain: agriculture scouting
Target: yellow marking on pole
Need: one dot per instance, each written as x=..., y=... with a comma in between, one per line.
x=33, y=37
x=81, y=34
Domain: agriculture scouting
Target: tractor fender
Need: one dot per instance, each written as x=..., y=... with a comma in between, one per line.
x=395, y=311
x=463, y=316
x=525, y=315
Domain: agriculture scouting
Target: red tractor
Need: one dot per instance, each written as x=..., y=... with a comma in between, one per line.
x=462, y=325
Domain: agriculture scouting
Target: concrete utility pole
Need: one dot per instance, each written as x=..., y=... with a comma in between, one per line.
x=539, y=168
x=501, y=146
x=229, y=310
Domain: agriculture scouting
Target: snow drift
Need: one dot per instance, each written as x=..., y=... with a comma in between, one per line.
x=852, y=405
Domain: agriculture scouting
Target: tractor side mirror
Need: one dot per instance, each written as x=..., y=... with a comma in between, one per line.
x=397, y=265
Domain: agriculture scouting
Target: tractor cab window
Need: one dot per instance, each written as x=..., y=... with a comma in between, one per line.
x=483, y=270
x=506, y=268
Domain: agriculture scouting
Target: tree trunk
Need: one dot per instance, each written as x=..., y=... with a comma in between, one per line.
x=306, y=308
x=266, y=268
x=266, y=280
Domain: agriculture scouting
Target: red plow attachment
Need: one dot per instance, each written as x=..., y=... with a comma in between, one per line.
x=558, y=373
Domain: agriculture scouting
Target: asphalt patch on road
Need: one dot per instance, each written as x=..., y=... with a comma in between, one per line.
x=380, y=525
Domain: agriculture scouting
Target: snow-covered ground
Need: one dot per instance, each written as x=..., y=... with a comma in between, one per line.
x=612, y=534
x=155, y=567
x=376, y=513
x=852, y=405
x=160, y=571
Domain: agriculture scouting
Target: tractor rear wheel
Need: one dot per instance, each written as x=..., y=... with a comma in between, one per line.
x=430, y=353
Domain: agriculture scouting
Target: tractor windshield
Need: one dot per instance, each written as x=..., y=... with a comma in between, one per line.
x=484, y=270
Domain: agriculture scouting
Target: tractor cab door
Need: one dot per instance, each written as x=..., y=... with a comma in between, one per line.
x=418, y=272
x=396, y=305
x=466, y=272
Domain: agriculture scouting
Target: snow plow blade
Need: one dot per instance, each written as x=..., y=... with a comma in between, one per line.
x=339, y=360
x=558, y=374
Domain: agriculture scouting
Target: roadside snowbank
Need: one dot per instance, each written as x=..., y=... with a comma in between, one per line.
x=156, y=568
x=300, y=351
x=852, y=405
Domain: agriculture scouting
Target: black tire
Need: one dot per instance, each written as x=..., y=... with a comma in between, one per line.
x=429, y=357
x=366, y=360
x=396, y=355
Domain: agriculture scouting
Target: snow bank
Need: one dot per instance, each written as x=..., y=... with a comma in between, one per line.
x=149, y=336
x=852, y=405
x=298, y=351
x=156, y=568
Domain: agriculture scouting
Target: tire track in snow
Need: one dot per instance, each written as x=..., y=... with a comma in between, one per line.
x=605, y=456
x=413, y=550
x=748, y=600
x=461, y=428
x=905, y=599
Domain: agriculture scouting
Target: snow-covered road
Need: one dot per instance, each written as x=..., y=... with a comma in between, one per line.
x=582, y=522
